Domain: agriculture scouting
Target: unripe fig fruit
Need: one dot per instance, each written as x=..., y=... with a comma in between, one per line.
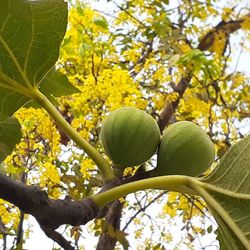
x=185, y=149
x=129, y=136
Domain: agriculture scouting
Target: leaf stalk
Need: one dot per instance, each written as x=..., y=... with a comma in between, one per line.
x=177, y=183
x=220, y=211
x=101, y=163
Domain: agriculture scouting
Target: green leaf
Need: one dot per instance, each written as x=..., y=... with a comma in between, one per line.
x=101, y=22
x=210, y=229
x=30, y=36
x=229, y=187
x=227, y=238
x=233, y=172
x=57, y=84
x=10, y=135
x=10, y=101
x=121, y=237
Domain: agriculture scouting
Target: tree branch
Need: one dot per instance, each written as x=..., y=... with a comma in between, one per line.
x=113, y=218
x=169, y=106
x=225, y=27
x=49, y=213
x=22, y=196
x=19, y=237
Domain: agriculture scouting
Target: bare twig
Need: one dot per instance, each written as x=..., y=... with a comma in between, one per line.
x=57, y=237
x=20, y=225
x=142, y=209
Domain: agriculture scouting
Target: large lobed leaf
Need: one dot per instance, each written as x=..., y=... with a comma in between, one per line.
x=55, y=84
x=10, y=101
x=30, y=36
x=233, y=172
x=229, y=185
x=227, y=239
x=10, y=135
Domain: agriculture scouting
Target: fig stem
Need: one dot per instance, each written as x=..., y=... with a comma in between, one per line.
x=102, y=164
x=177, y=183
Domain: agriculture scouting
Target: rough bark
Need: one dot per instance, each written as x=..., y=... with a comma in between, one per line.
x=170, y=107
x=49, y=213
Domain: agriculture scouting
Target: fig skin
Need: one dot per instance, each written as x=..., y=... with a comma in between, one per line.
x=185, y=149
x=129, y=136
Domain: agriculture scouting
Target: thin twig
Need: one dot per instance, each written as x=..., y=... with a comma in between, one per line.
x=142, y=209
x=57, y=237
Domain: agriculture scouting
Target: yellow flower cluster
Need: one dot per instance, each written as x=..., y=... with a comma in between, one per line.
x=114, y=89
x=87, y=166
x=85, y=35
x=191, y=106
x=87, y=18
x=9, y=215
x=50, y=178
x=118, y=88
x=246, y=24
x=169, y=210
x=133, y=54
x=36, y=122
x=177, y=201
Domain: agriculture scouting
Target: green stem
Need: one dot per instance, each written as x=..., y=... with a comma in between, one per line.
x=220, y=211
x=9, y=83
x=101, y=163
x=223, y=191
x=175, y=183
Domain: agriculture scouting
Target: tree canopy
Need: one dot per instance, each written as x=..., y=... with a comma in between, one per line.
x=64, y=67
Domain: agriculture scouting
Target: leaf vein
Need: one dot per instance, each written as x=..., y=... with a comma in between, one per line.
x=232, y=164
x=30, y=43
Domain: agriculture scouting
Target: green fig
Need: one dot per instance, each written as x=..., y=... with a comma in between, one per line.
x=185, y=149
x=129, y=136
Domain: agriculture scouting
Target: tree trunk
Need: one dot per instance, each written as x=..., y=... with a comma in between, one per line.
x=113, y=218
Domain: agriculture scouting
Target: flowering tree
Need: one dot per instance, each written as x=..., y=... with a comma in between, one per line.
x=176, y=62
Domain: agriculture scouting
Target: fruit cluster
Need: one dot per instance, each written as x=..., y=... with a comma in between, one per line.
x=130, y=137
